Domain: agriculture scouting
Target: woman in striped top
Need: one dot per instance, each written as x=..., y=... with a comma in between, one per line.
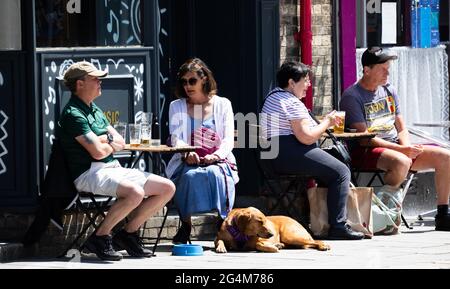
x=286, y=122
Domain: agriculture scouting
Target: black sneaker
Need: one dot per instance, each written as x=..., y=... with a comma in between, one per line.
x=442, y=222
x=183, y=234
x=102, y=247
x=344, y=233
x=132, y=243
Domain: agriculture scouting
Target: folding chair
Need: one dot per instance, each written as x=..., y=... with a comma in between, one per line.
x=92, y=206
x=158, y=237
x=288, y=189
x=87, y=203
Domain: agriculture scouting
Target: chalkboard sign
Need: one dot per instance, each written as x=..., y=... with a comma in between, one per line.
x=116, y=100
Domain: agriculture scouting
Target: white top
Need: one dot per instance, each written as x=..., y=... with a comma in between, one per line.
x=179, y=130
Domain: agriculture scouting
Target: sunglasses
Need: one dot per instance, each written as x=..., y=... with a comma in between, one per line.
x=192, y=81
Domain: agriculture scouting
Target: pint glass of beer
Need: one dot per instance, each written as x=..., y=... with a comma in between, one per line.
x=340, y=128
x=135, y=134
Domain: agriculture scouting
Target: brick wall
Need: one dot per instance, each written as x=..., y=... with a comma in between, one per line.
x=322, y=46
x=289, y=25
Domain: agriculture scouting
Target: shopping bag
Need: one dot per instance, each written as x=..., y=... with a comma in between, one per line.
x=387, y=214
x=359, y=212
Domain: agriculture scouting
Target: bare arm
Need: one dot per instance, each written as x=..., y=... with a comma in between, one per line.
x=118, y=143
x=404, y=146
x=307, y=135
x=402, y=131
x=97, y=147
x=373, y=142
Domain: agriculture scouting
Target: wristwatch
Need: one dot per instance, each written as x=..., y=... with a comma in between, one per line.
x=109, y=137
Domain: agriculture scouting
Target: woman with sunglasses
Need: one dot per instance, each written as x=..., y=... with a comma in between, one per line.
x=205, y=179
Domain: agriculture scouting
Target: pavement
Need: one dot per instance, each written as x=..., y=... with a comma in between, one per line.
x=421, y=247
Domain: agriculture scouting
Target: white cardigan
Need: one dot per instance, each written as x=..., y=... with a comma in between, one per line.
x=224, y=121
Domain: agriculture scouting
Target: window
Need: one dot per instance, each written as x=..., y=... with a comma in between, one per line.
x=68, y=23
x=370, y=21
x=10, y=22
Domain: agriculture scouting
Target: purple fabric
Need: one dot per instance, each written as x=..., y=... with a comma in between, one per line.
x=348, y=42
x=207, y=139
x=238, y=236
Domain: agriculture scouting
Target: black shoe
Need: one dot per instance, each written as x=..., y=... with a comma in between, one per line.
x=442, y=222
x=344, y=233
x=102, y=247
x=182, y=236
x=132, y=243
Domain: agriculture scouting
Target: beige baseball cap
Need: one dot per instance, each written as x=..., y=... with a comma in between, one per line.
x=82, y=68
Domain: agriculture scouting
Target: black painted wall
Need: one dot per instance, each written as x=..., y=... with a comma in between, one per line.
x=239, y=41
x=16, y=141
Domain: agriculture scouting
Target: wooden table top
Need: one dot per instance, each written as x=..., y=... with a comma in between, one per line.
x=161, y=149
x=353, y=135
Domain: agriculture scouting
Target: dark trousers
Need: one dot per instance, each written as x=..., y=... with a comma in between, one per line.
x=297, y=158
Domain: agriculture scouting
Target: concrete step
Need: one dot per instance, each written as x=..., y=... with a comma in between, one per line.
x=55, y=241
x=204, y=226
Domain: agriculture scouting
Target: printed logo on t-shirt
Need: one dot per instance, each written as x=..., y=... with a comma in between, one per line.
x=380, y=117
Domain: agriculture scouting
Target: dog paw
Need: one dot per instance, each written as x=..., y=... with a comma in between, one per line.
x=323, y=247
x=221, y=249
x=279, y=246
x=274, y=249
x=267, y=248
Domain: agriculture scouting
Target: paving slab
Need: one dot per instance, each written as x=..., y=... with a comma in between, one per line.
x=421, y=247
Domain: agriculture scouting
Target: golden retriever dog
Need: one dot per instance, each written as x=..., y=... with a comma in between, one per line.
x=249, y=229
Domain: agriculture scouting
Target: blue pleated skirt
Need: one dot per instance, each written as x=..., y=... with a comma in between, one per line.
x=202, y=189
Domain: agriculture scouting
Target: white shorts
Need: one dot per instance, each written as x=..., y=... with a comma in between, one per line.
x=104, y=178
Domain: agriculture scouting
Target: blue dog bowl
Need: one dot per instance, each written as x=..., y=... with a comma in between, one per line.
x=187, y=250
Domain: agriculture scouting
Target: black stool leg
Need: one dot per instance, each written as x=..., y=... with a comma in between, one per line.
x=406, y=223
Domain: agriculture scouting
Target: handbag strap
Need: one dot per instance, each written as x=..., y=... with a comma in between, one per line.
x=387, y=90
x=227, y=201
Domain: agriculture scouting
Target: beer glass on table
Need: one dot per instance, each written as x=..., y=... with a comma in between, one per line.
x=135, y=134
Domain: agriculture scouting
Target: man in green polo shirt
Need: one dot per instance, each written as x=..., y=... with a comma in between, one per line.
x=89, y=141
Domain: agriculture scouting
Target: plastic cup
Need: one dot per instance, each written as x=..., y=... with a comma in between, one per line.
x=144, y=118
x=156, y=142
x=135, y=134
x=340, y=128
x=121, y=128
x=146, y=134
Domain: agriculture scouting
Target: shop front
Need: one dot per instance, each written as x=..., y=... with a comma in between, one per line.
x=141, y=44
x=117, y=36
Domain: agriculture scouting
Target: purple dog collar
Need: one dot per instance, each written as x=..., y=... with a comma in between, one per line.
x=238, y=236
